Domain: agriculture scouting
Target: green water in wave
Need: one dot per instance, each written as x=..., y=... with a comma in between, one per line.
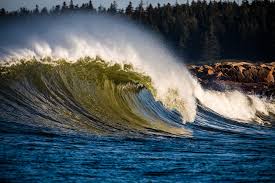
x=88, y=95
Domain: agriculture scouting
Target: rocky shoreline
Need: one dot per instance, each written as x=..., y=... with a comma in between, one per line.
x=251, y=78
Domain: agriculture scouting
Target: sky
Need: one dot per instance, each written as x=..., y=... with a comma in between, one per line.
x=12, y=5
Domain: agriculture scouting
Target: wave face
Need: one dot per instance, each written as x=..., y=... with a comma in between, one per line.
x=108, y=77
x=88, y=96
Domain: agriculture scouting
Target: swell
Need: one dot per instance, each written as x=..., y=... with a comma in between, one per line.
x=52, y=76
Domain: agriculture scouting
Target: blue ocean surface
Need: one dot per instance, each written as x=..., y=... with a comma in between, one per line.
x=29, y=155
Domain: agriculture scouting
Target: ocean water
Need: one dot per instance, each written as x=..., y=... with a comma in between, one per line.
x=82, y=101
x=211, y=155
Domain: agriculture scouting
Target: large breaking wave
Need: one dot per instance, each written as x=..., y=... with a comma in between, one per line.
x=105, y=75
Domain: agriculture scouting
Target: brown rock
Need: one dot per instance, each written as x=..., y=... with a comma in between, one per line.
x=200, y=69
x=210, y=72
x=220, y=74
x=270, y=77
x=254, y=78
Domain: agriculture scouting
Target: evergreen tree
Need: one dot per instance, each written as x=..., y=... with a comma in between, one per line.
x=129, y=9
x=113, y=8
x=71, y=6
x=44, y=11
x=36, y=10
x=101, y=9
x=211, y=46
x=2, y=12
x=64, y=7
x=150, y=14
x=90, y=6
x=56, y=10
x=139, y=12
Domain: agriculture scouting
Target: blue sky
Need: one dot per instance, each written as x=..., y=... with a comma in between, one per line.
x=11, y=5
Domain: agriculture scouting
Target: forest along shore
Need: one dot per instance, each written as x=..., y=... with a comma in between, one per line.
x=201, y=30
x=251, y=78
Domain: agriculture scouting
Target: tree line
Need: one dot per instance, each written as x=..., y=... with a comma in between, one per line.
x=199, y=30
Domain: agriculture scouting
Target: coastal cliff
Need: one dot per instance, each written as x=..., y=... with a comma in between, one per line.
x=252, y=78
